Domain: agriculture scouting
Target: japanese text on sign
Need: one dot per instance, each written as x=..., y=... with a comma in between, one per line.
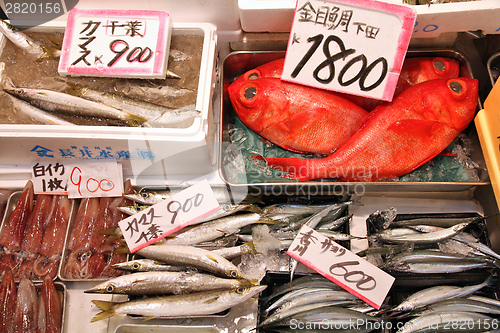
x=168, y=216
x=341, y=266
x=344, y=47
x=49, y=178
x=117, y=43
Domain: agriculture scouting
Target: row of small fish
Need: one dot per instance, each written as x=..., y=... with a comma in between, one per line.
x=32, y=237
x=87, y=253
x=24, y=309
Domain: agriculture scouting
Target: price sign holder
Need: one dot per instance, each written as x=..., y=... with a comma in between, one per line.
x=350, y=46
x=117, y=43
x=88, y=179
x=168, y=216
x=336, y=263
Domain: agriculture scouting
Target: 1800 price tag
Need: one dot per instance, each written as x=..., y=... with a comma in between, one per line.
x=168, y=216
x=349, y=46
x=341, y=266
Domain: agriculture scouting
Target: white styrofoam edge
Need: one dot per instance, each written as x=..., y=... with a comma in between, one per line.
x=196, y=132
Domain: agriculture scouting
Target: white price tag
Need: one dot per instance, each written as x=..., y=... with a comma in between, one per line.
x=350, y=46
x=336, y=263
x=50, y=177
x=168, y=216
x=95, y=179
x=118, y=43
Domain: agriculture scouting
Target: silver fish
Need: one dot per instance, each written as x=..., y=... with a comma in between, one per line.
x=181, y=117
x=28, y=44
x=38, y=114
x=60, y=102
x=430, y=237
x=483, y=248
x=146, y=265
x=234, y=251
x=157, y=283
x=193, y=304
x=460, y=304
x=444, y=222
x=182, y=255
x=335, y=224
x=436, y=267
x=439, y=321
x=435, y=294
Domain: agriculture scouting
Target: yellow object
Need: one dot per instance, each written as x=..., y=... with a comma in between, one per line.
x=488, y=128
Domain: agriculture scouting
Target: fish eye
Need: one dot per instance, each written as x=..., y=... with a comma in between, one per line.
x=439, y=65
x=240, y=290
x=233, y=273
x=456, y=86
x=144, y=195
x=135, y=266
x=253, y=76
x=250, y=92
x=110, y=288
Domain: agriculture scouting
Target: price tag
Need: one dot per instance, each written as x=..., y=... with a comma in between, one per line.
x=95, y=179
x=341, y=266
x=168, y=216
x=50, y=178
x=118, y=43
x=350, y=46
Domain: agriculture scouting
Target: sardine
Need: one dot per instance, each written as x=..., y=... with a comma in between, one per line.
x=190, y=256
x=38, y=114
x=193, y=304
x=157, y=283
x=435, y=294
x=28, y=44
x=54, y=101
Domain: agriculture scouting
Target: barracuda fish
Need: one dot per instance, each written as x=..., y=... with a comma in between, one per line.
x=28, y=44
x=439, y=322
x=311, y=295
x=221, y=194
x=38, y=114
x=60, y=102
x=458, y=305
x=217, y=228
x=193, y=304
x=182, y=255
x=146, y=265
x=439, y=293
x=139, y=108
x=157, y=283
x=235, y=251
x=437, y=267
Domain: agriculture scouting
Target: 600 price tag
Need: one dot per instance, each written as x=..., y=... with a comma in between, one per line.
x=341, y=266
x=349, y=46
x=168, y=216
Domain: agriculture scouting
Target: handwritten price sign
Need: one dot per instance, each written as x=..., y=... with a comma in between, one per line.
x=122, y=43
x=168, y=216
x=341, y=266
x=95, y=179
x=49, y=178
x=351, y=46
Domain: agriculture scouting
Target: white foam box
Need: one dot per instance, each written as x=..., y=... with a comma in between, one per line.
x=154, y=152
x=432, y=20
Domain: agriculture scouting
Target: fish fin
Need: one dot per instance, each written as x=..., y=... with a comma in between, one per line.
x=149, y=318
x=293, y=168
x=49, y=53
x=211, y=258
x=56, y=41
x=122, y=249
x=133, y=120
x=172, y=75
x=106, y=308
x=418, y=128
x=211, y=300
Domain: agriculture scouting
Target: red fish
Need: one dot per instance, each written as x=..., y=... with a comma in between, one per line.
x=414, y=70
x=13, y=232
x=49, y=309
x=296, y=117
x=8, y=295
x=396, y=137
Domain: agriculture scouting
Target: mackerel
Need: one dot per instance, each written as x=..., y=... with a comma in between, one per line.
x=188, y=305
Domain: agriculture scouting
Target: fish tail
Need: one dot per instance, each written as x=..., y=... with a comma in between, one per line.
x=49, y=53
x=133, y=120
x=106, y=308
x=293, y=168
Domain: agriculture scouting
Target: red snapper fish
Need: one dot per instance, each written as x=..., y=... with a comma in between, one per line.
x=414, y=70
x=396, y=137
x=295, y=117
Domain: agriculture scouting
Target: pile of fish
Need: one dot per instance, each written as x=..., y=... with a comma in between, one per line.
x=432, y=106
x=26, y=308
x=47, y=106
x=32, y=237
x=430, y=245
x=89, y=254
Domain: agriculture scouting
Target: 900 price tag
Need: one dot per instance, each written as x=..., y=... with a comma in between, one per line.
x=349, y=46
x=168, y=216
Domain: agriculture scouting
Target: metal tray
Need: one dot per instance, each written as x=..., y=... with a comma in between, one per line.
x=493, y=66
x=130, y=328
x=239, y=62
x=11, y=204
